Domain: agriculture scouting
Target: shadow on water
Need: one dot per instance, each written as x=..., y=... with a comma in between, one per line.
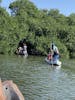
x=37, y=80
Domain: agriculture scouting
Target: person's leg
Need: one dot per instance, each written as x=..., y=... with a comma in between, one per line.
x=2, y=97
x=56, y=57
x=12, y=91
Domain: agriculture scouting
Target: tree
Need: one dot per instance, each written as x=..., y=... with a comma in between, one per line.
x=0, y=2
x=38, y=27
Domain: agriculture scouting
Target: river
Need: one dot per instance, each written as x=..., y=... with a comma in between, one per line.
x=37, y=80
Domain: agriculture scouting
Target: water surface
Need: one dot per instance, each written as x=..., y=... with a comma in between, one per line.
x=37, y=80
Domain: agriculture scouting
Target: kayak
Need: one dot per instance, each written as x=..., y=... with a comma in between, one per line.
x=53, y=62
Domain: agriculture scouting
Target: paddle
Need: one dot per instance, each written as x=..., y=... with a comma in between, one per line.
x=52, y=57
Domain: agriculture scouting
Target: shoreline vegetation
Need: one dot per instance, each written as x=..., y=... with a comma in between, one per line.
x=39, y=27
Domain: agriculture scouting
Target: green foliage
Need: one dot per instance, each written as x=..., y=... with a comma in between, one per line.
x=0, y=2
x=38, y=27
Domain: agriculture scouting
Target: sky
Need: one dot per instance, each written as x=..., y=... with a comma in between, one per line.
x=65, y=7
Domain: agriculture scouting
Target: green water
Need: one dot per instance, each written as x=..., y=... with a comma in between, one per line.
x=37, y=80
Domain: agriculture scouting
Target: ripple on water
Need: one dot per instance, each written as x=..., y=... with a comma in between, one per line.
x=37, y=80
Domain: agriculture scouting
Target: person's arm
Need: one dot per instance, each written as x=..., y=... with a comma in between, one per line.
x=51, y=52
x=57, y=51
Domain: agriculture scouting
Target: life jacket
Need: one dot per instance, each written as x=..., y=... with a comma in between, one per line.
x=49, y=57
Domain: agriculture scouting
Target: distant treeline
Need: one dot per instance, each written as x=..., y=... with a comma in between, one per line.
x=39, y=27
